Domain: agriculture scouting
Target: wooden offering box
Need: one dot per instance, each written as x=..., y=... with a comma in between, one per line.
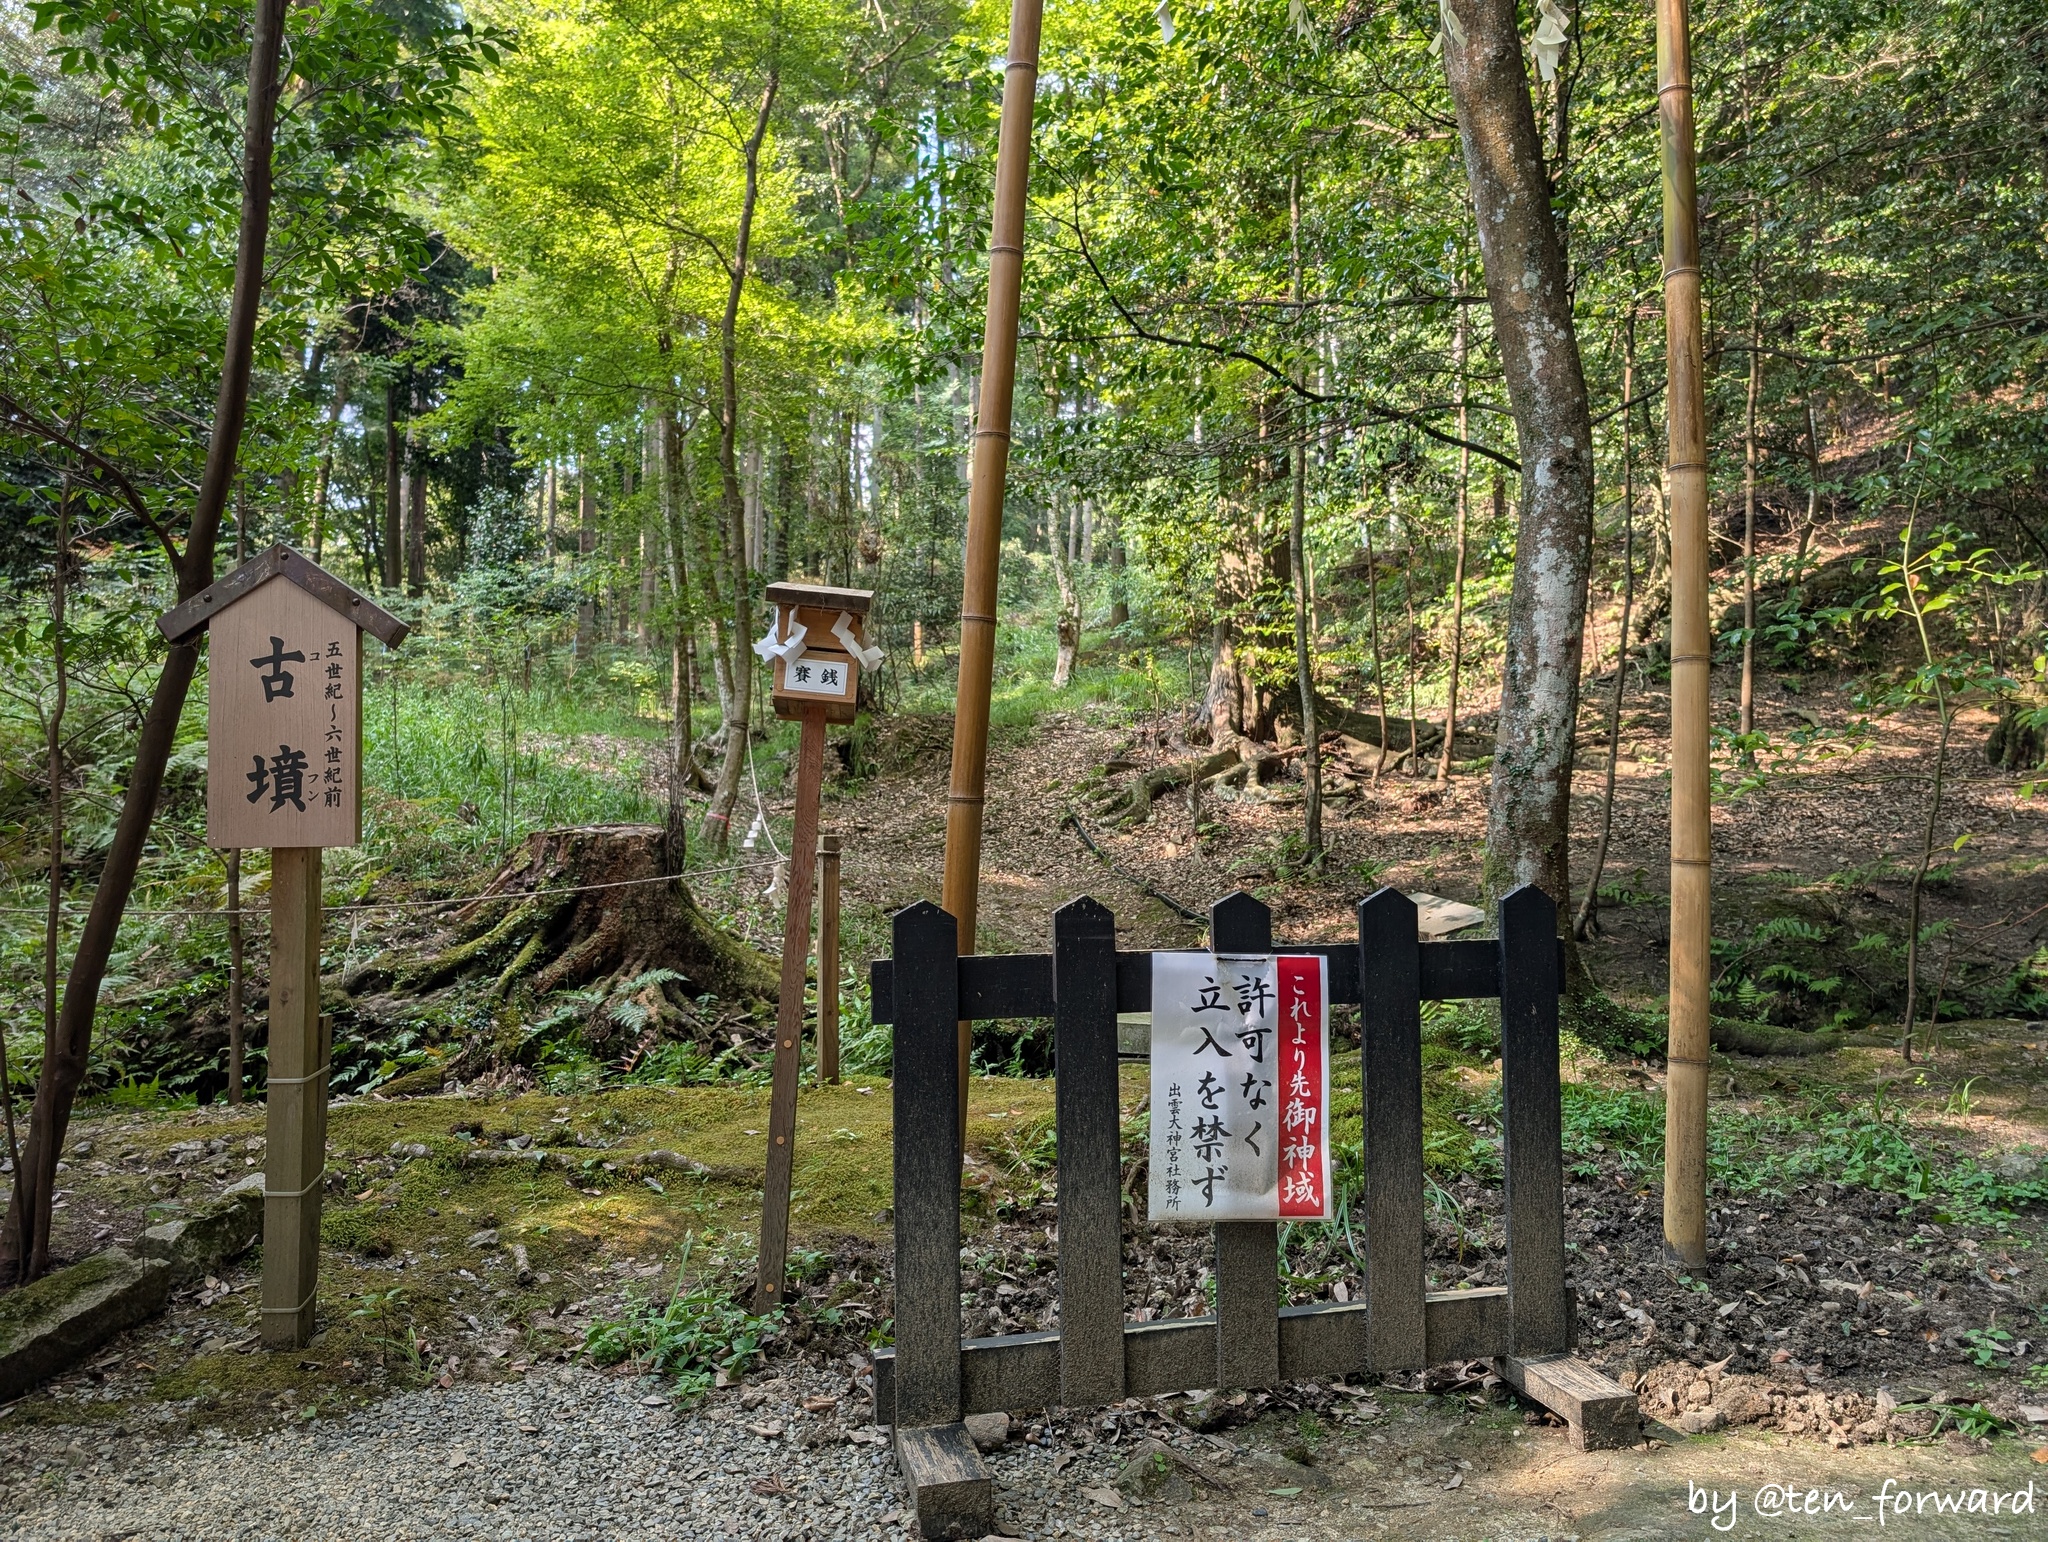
x=824, y=666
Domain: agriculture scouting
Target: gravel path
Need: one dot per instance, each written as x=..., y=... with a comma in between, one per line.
x=566, y=1454
x=563, y=1453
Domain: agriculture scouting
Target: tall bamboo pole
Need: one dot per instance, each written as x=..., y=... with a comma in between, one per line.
x=961, y=892
x=1685, y=1087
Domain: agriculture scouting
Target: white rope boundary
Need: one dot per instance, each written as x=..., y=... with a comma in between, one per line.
x=75, y=906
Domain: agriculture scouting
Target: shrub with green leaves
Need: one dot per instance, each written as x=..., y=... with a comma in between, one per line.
x=697, y=1333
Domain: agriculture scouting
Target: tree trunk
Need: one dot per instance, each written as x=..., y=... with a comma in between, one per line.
x=1747, y=720
x=323, y=479
x=1067, y=626
x=1909, y=588
x=1589, y=906
x=683, y=777
x=237, y=976
x=1459, y=346
x=25, y=1241
x=1297, y=565
x=1529, y=295
x=1305, y=664
x=1379, y=671
x=586, y=543
x=53, y=746
x=1221, y=703
x=232, y=863
x=415, y=480
x=1119, y=595
x=1812, y=498
x=1413, y=664
x=650, y=587
x=394, y=490
x=718, y=818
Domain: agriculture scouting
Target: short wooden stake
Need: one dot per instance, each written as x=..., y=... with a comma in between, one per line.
x=789, y=1016
x=295, y=1126
x=828, y=959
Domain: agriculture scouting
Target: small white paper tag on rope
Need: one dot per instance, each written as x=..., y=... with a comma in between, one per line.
x=1547, y=44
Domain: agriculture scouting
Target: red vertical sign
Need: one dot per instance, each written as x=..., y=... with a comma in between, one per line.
x=1305, y=1088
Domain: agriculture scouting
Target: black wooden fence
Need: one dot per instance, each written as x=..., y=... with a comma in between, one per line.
x=933, y=1378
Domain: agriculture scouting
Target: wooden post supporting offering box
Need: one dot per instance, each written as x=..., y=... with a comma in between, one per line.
x=816, y=645
x=284, y=770
x=828, y=959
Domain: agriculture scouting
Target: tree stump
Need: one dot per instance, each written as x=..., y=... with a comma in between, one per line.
x=581, y=905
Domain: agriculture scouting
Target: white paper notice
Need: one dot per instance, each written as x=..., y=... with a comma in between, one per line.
x=1240, y=1088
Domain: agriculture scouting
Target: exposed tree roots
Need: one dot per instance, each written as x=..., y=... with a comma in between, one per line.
x=1133, y=804
x=1335, y=718
x=621, y=918
x=1735, y=1037
x=1144, y=886
x=1599, y=1020
x=1351, y=746
x=1241, y=762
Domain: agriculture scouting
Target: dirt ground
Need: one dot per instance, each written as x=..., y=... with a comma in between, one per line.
x=1849, y=823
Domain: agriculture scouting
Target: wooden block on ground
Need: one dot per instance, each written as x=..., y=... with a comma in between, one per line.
x=950, y=1487
x=1601, y=1412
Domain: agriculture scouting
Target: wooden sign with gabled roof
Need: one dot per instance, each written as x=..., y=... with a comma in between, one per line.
x=284, y=741
x=284, y=700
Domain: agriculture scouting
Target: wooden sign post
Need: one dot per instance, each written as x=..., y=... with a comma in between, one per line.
x=284, y=741
x=817, y=646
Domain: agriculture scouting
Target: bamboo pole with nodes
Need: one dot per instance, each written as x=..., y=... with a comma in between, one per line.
x=961, y=892
x=1691, y=1025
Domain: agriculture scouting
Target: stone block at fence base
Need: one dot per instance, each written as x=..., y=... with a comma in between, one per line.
x=1601, y=1412
x=950, y=1488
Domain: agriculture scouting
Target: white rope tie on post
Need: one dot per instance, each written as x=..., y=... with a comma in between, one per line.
x=297, y=1081
x=270, y=1193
